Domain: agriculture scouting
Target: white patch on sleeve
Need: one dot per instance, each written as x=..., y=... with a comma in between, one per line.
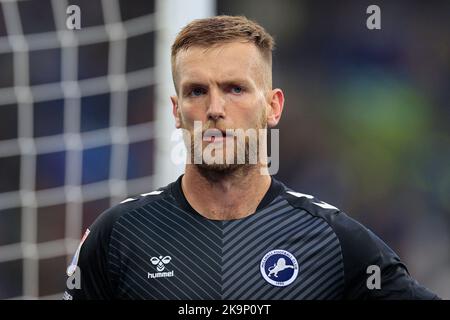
x=300, y=195
x=73, y=265
x=128, y=200
x=153, y=193
x=325, y=205
x=320, y=204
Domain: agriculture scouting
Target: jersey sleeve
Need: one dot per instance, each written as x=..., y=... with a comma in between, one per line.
x=91, y=273
x=365, y=255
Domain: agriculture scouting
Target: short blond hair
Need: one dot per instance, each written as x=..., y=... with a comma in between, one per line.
x=223, y=29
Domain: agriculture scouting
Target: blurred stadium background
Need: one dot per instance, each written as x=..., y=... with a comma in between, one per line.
x=85, y=121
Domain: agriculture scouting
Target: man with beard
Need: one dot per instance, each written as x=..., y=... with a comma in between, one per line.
x=226, y=229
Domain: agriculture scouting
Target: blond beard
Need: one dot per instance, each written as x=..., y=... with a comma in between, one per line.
x=213, y=171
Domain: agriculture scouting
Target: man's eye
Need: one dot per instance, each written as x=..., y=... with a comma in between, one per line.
x=236, y=89
x=196, y=92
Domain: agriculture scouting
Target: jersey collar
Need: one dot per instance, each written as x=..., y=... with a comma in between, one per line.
x=275, y=189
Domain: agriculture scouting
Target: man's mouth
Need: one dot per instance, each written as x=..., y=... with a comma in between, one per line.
x=216, y=135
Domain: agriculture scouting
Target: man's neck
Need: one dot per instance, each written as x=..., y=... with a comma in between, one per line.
x=234, y=196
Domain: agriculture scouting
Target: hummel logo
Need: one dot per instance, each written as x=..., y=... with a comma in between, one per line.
x=160, y=263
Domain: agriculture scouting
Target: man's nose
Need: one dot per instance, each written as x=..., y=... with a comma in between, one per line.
x=216, y=107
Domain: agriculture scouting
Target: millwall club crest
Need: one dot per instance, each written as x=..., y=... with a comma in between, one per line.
x=279, y=268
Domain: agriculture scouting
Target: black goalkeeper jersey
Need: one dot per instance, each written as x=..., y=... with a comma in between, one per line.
x=156, y=246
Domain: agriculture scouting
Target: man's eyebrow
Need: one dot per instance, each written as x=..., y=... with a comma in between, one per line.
x=192, y=84
x=226, y=82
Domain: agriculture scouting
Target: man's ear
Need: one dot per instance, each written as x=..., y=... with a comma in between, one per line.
x=175, y=111
x=275, y=106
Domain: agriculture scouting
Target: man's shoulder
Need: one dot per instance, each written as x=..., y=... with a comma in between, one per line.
x=309, y=203
x=338, y=220
x=141, y=200
x=108, y=218
x=359, y=244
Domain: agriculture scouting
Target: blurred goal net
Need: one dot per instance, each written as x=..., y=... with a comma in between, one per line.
x=85, y=121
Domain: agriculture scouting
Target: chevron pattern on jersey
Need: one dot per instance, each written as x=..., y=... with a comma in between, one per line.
x=206, y=259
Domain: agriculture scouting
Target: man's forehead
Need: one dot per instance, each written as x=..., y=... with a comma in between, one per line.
x=230, y=59
x=230, y=48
